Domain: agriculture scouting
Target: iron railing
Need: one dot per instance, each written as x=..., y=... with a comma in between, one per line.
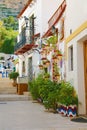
x=21, y=43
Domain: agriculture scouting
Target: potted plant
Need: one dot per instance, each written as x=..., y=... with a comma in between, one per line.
x=40, y=66
x=14, y=75
x=68, y=99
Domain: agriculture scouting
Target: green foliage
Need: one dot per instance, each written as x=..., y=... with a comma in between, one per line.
x=35, y=85
x=13, y=75
x=67, y=94
x=52, y=40
x=7, y=39
x=5, y=48
x=52, y=93
x=10, y=23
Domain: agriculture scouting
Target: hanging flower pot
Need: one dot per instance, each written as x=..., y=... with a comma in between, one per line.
x=59, y=56
x=41, y=67
x=57, y=76
x=55, y=51
x=47, y=47
x=43, y=53
x=55, y=59
x=47, y=63
x=44, y=59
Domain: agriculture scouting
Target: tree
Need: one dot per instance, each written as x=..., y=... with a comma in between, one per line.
x=10, y=23
x=7, y=39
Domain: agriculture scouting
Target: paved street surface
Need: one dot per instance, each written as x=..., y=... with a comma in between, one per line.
x=26, y=115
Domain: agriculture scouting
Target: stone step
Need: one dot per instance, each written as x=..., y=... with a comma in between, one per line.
x=14, y=97
x=8, y=90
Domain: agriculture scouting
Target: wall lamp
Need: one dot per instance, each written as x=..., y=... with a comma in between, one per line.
x=54, y=30
x=26, y=20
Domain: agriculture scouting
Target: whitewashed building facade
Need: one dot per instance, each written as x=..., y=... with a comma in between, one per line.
x=33, y=23
x=76, y=41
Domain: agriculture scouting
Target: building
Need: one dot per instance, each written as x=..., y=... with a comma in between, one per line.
x=36, y=21
x=6, y=62
x=33, y=23
x=76, y=41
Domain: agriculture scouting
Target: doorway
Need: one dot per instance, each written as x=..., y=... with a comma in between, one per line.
x=85, y=71
x=30, y=69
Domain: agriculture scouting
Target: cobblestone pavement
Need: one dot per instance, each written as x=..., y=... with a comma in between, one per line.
x=26, y=115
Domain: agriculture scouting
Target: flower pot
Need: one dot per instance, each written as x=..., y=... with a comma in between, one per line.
x=41, y=67
x=14, y=83
x=72, y=111
x=59, y=56
x=47, y=63
x=55, y=59
x=57, y=76
x=63, y=110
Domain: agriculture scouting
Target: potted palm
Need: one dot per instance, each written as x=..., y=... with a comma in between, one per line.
x=14, y=75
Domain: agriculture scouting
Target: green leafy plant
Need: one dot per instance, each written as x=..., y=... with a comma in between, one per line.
x=67, y=94
x=13, y=75
x=35, y=85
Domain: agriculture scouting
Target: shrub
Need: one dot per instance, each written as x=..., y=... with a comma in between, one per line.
x=34, y=86
x=13, y=75
x=67, y=94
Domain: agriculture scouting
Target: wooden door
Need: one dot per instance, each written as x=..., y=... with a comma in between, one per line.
x=85, y=71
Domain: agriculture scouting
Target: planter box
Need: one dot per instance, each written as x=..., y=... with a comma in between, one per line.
x=63, y=110
x=72, y=111
x=22, y=87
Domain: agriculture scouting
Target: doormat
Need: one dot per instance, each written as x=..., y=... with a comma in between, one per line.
x=3, y=103
x=79, y=119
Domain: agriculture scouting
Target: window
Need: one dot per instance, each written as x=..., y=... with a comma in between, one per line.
x=31, y=28
x=71, y=58
x=23, y=67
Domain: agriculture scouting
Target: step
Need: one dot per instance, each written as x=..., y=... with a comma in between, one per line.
x=8, y=90
x=14, y=97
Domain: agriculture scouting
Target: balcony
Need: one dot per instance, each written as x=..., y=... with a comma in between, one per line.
x=55, y=18
x=23, y=45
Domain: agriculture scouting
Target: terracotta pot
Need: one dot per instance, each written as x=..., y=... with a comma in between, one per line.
x=41, y=66
x=14, y=83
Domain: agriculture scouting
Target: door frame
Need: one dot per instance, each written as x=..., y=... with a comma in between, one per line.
x=85, y=71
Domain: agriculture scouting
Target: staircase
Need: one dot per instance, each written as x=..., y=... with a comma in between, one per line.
x=6, y=86
x=9, y=93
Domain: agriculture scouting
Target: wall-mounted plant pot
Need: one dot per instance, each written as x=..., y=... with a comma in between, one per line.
x=47, y=47
x=59, y=56
x=47, y=63
x=57, y=76
x=55, y=59
x=41, y=67
x=44, y=59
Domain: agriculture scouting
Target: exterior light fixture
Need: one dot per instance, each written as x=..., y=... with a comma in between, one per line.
x=53, y=29
x=26, y=20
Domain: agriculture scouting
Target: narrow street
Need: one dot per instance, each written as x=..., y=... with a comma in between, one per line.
x=28, y=115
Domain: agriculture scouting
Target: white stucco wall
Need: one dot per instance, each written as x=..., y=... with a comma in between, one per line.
x=76, y=77
x=76, y=14
x=42, y=12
